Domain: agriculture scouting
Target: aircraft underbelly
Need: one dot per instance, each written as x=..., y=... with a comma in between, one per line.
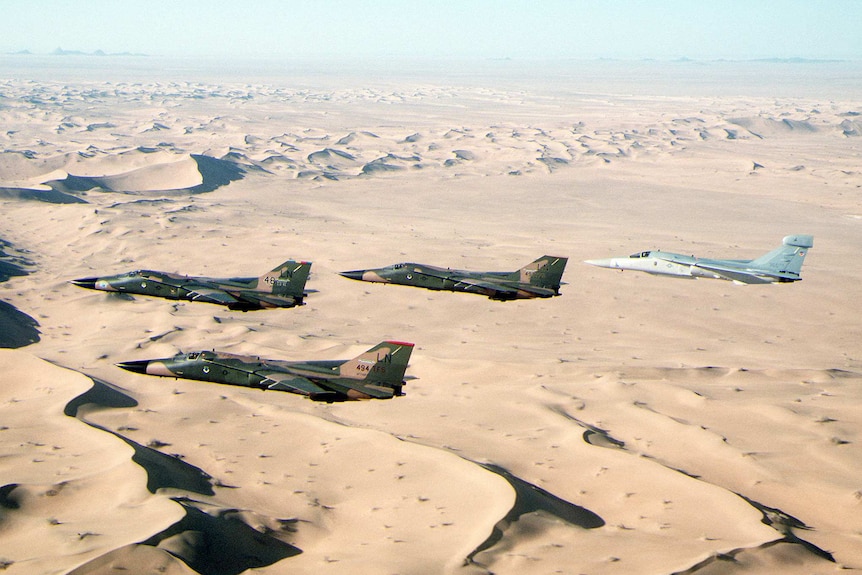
x=702, y=273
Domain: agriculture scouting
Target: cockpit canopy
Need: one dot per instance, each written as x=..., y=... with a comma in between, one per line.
x=640, y=255
x=208, y=355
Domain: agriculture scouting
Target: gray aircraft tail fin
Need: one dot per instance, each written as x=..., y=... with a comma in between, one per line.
x=384, y=364
x=546, y=272
x=288, y=279
x=788, y=258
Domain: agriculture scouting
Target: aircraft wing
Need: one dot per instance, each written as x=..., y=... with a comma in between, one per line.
x=737, y=275
x=481, y=286
x=502, y=288
x=240, y=298
x=260, y=298
x=212, y=295
x=303, y=386
x=295, y=384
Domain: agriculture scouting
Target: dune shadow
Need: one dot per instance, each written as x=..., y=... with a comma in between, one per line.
x=163, y=471
x=168, y=472
x=102, y=394
x=530, y=498
x=215, y=173
x=220, y=544
x=17, y=329
x=785, y=524
x=53, y=196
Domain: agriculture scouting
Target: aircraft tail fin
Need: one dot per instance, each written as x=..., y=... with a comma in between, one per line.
x=288, y=279
x=788, y=258
x=546, y=272
x=383, y=365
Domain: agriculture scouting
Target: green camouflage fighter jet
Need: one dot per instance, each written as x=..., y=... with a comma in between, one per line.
x=781, y=265
x=282, y=287
x=540, y=278
x=376, y=374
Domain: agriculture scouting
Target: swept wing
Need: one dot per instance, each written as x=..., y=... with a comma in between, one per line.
x=294, y=384
x=505, y=288
x=738, y=275
x=484, y=284
x=212, y=295
x=249, y=297
x=320, y=390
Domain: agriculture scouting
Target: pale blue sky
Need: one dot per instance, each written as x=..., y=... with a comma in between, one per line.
x=519, y=29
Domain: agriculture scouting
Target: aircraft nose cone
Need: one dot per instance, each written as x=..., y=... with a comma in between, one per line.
x=137, y=366
x=605, y=263
x=366, y=276
x=89, y=283
x=353, y=275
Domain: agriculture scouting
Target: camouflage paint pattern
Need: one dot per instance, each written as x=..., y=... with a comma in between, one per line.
x=375, y=374
x=540, y=278
x=283, y=286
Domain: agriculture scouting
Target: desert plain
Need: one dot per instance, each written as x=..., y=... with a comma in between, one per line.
x=634, y=424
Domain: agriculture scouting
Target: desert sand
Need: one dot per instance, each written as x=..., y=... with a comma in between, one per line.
x=635, y=424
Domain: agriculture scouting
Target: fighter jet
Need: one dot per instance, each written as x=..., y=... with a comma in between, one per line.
x=284, y=286
x=376, y=374
x=781, y=265
x=540, y=278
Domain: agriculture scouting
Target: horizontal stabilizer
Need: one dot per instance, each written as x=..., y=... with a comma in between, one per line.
x=375, y=391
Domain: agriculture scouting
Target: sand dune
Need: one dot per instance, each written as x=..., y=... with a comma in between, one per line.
x=17, y=329
x=123, y=157
x=635, y=424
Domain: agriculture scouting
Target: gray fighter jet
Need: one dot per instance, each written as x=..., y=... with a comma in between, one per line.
x=284, y=286
x=540, y=278
x=781, y=265
x=375, y=374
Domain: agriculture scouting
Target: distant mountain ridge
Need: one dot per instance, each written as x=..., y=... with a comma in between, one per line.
x=61, y=52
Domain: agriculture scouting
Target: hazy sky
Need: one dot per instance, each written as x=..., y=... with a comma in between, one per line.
x=521, y=29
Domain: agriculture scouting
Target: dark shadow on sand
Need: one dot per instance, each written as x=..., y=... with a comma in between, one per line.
x=17, y=329
x=217, y=543
x=531, y=499
x=52, y=196
x=102, y=394
x=220, y=544
x=785, y=523
x=163, y=471
x=215, y=173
